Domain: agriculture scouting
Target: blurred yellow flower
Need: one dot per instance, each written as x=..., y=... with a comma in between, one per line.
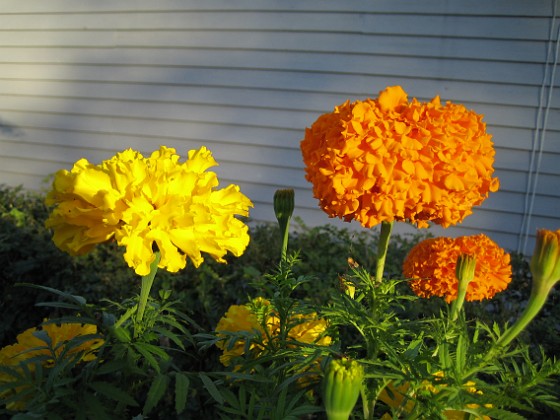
x=431, y=265
x=260, y=321
x=388, y=159
x=238, y=318
x=30, y=345
x=149, y=202
x=402, y=398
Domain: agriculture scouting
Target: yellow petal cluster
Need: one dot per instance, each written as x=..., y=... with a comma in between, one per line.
x=29, y=346
x=260, y=321
x=147, y=203
x=401, y=397
x=390, y=159
x=432, y=263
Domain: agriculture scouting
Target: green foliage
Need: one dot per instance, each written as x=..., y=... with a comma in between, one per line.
x=169, y=366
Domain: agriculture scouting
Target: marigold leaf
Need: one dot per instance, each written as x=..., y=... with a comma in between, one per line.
x=182, y=383
x=114, y=393
x=211, y=388
x=155, y=393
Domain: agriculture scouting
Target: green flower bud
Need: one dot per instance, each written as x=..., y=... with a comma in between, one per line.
x=464, y=271
x=466, y=265
x=283, y=209
x=284, y=205
x=545, y=264
x=341, y=387
x=545, y=267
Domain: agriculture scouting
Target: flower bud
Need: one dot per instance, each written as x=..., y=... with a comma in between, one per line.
x=347, y=287
x=464, y=271
x=341, y=387
x=466, y=265
x=283, y=205
x=283, y=209
x=545, y=264
x=545, y=267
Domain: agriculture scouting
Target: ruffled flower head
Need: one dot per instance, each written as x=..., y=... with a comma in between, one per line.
x=431, y=265
x=145, y=203
x=388, y=159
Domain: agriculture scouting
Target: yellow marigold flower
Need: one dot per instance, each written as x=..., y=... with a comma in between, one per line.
x=237, y=318
x=29, y=346
x=388, y=159
x=149, y=202
x=260, y=319
x=59, y=336
x=403, y=398
x=432, y=266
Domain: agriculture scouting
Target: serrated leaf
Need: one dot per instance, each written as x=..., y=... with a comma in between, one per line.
x=94, y=406
x=78, y=299
x=62, y=305
x=182, y=383
x=211, y=388
x=172, y=336
x=114, y=393
x=147, y=356
x=155, y=393
x=496, y=329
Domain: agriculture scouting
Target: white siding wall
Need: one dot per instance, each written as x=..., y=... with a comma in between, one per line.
x=88, y=78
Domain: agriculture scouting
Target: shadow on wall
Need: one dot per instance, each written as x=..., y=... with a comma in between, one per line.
x=10, y=130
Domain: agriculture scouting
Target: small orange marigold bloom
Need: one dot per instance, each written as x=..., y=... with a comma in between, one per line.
x=388, y=159
x=432, y=263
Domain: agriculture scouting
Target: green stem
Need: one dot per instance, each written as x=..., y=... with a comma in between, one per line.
x=383, y=246
x=537, y=299
x=147, y=282
x=368, y=404
x=457, y=304
x=284, y=231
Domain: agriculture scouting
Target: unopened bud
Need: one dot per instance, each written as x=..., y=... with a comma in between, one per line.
x=341, y=388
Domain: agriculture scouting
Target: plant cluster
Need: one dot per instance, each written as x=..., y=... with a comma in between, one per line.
x=331, y=330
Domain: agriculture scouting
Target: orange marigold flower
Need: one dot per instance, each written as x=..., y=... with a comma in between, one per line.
x=388, y=159
x=432, y=263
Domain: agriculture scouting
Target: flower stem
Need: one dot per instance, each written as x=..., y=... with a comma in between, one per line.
x=382, y=247
x=537, y=299
x=147, y=282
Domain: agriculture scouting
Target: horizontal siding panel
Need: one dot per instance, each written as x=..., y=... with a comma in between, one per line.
x=299, y=90
x=519, y=160
x=358, y=43
x=464, y=70
x=262, y=115
x=516, y=181
x=472, y=7
x=501, y=27
x=496, y=7
x=190, y=130
x=225, y=154
x=245, y=115
x=522, y=138
x=211, y=114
